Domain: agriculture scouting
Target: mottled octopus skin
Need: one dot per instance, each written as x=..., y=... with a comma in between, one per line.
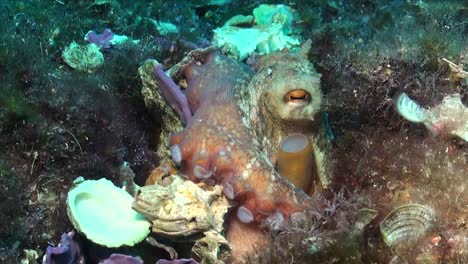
x=220, y=143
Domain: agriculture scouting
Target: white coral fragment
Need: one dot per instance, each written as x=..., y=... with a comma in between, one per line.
x=271, y=30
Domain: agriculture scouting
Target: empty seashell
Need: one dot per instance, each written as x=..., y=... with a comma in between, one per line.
x=406, y=224
x=409, y=109
x=103, y=212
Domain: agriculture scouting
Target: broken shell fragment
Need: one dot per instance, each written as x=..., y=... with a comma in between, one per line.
x=213, y=248
x=446, y=119
x=450, y=117
x=406, y=224
x=409, y=109
x=182, y=208
x=92, y=210
x=364, y=217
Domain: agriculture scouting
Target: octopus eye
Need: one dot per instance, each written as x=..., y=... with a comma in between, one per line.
x=297, y=96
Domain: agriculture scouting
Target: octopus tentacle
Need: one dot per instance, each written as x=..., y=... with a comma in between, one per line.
x=246, y=177
x=172, y=94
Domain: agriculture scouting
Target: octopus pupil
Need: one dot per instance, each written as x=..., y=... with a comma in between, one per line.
x=297, y=96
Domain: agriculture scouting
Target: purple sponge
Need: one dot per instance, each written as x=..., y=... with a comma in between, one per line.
x=102, y=40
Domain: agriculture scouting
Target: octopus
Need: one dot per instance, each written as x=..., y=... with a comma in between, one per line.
x=235, y=118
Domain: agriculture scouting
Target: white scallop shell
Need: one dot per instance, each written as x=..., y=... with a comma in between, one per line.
x=103, y=212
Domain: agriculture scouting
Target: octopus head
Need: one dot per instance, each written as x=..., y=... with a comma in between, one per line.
x=289, y=88
x=293, y=96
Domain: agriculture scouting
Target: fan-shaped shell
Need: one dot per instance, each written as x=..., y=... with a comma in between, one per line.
x=406, y=224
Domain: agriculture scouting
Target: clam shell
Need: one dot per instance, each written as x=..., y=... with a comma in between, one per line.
x=103, y=212
x=409, y=109
x=406, y=224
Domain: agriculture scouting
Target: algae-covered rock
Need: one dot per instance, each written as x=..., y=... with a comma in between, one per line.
x=83, y=57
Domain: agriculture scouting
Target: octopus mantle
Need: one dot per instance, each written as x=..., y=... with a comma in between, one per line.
x=240, y=115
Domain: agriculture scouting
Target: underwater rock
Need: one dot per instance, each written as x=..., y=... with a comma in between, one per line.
x=30, y=257
x=178, y=208
x=182, y=210
x=83, y=57
x=449, y=118
x=103, y=213
x=265, y=15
